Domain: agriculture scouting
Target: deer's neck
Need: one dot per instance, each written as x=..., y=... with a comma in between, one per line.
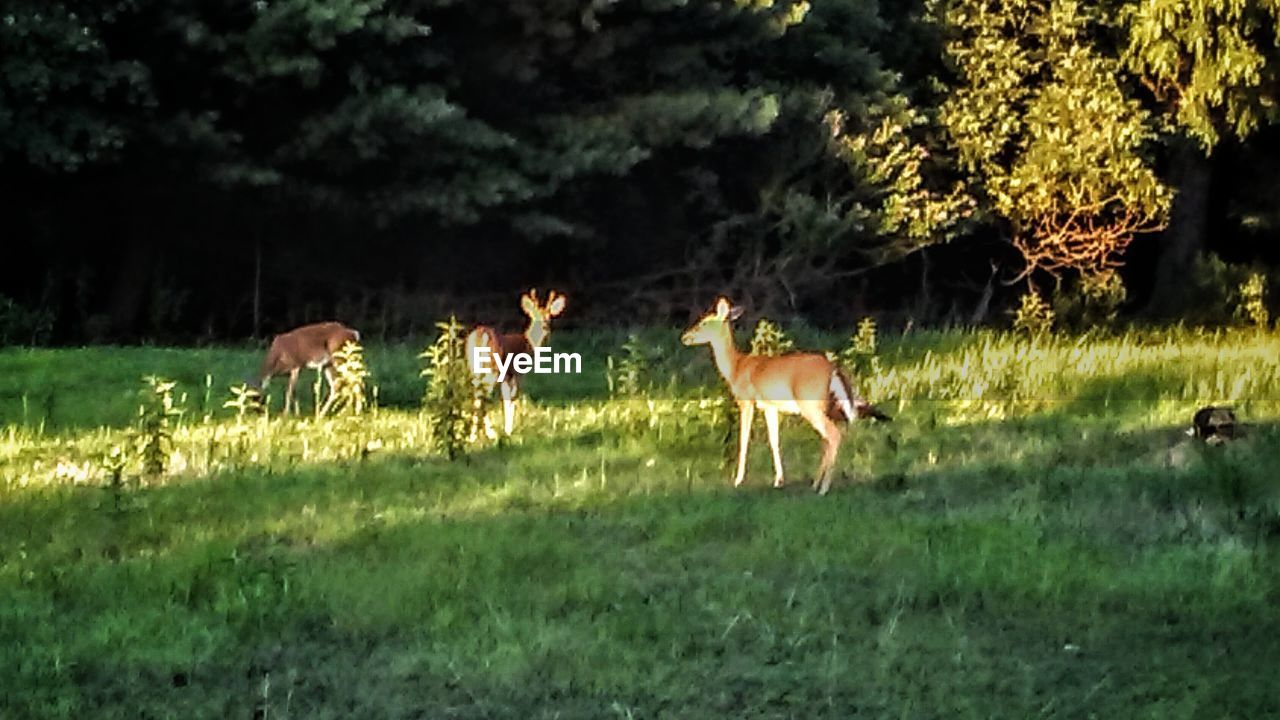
x=537, y=333
x=726, y=355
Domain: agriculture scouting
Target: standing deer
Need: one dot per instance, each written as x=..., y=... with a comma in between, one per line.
x=311, y=346
x=535, y=336
x=805, y=384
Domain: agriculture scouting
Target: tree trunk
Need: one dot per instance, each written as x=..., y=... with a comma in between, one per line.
x=1192, y=175
x=979, y=316
x=924, y=301
x=128, y=289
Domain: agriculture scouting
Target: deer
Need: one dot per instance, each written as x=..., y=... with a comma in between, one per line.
x=310, y=346
x=502, y=345
x=802, y=383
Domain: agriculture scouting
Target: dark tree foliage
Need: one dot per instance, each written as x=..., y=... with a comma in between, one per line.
x=179, y=169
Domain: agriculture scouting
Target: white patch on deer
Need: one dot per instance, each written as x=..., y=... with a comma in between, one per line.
x=480, y=356
x=842, y=396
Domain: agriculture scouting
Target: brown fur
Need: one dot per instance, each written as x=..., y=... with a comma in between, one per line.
x=308, y=346
x=502, y=345
x=792, y=384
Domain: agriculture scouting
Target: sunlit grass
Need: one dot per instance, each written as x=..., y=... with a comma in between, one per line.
x=1033, y=535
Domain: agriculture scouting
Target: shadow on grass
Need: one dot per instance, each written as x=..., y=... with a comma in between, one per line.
x=531, y=587
x=1053, y=564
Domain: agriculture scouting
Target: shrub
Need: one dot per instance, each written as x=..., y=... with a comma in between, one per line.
x=1090, y=301
x=350, y=374
x=1251, y=301
x=20, y=325
x=1213, y=297
x=860, y=355
x=769, y=339
x=455, y=400
x=630, y=374
x=154, y=435
x=1033, y=317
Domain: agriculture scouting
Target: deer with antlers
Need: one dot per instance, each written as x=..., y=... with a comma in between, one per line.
x=804, y=384
x=501, y=345
x=308, y=346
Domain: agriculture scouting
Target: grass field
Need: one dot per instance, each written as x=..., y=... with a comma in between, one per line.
x=1031, y=537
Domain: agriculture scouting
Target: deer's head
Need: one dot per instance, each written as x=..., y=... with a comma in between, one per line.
x=714, y=325
x=540, y=315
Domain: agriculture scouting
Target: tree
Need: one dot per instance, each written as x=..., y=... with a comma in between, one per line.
x=1040, y=120
x=851, y=176
x=57, y=85
x=848, y=194
x=361, y=113
x=1210, y=67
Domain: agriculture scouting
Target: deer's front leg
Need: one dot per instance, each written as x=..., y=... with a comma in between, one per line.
x=771, y=424
x=508, y=407
x=747, y=411
x=288, y=391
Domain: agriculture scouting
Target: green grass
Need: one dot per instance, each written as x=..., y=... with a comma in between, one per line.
x=1031, y=537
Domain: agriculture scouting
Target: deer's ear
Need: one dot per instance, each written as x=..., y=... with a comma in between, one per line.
x=529, y=304
x=735, y=313
x=722, y=308
x=555, y=304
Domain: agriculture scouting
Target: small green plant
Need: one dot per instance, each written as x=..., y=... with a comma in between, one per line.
x=769, y=339
x=860, y=355
x=113, y=464
x=864, y=342
x=153, y=437
x=455, y=400
x=245, y=400
x=1251, y=301
x=1033, y=317
x=350, y=373
x=629, y=375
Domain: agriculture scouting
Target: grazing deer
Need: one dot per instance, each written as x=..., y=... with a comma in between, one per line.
x=805, y=384
x=311, y=346
x=534, y=337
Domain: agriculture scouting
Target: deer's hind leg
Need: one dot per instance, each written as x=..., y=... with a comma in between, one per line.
x=815, y=414
x=288, y=391
x=329, y=375
x=771, y=424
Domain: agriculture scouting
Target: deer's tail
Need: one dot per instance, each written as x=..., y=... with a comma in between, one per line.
x=846, y=404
